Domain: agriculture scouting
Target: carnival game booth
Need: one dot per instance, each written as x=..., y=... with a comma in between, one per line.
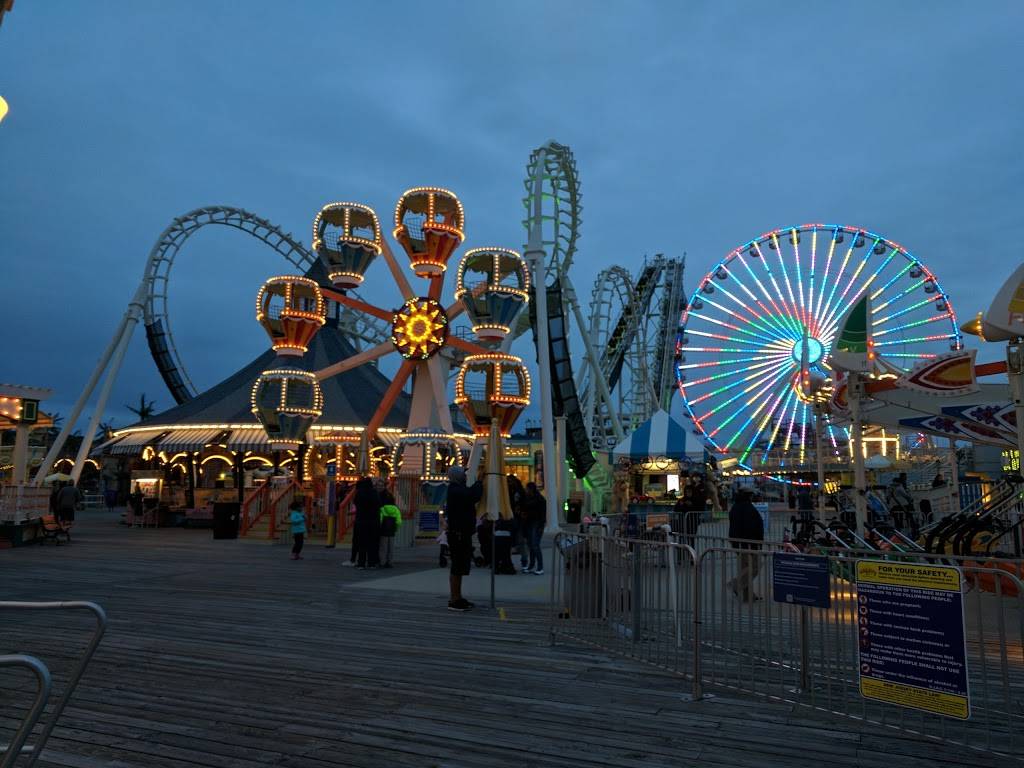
x=212, y=450
x=650, y=465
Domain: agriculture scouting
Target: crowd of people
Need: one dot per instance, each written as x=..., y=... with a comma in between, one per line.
x=496, y=539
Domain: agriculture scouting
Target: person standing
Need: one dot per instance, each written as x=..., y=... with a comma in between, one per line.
x=516, y=492
x=745, y=529
x=297, y=521
x=460, y=518
x=135, y=502
x=67, y=500
x=366, y=533
x=390, y=522
x=535, y=510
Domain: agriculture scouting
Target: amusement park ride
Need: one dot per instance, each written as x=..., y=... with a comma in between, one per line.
x=784, y=351
x=627, y=334
x=492, y=388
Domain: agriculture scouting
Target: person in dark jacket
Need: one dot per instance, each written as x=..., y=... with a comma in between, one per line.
x=745, y=528
x=516, y=494
x=535, y=512
x=68, y=498
x=460, y=517
x=366, y=534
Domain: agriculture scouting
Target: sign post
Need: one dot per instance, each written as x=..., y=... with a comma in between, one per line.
x=910, y=625
x=801, y=580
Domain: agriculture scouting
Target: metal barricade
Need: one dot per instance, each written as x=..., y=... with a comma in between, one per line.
x=11, y=752
x=632, y=597
x=711, y=616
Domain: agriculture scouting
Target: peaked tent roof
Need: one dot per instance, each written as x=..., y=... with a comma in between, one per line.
x=659, y=436
x=350, y=398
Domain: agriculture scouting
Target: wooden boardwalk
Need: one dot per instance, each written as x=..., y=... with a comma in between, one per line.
x=227, y=654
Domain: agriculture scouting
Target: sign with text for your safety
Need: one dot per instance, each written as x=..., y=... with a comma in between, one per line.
x=910, y=626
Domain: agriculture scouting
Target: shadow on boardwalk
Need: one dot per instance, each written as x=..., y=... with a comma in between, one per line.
x=228, y=654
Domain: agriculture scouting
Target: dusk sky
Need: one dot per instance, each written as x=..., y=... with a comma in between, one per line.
x=695, y=127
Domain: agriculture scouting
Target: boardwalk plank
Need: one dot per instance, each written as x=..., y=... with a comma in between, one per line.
x=227, y=655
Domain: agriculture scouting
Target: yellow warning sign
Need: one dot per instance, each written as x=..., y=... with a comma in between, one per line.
x=948, y=704
x=911, y=636
x=941, y=577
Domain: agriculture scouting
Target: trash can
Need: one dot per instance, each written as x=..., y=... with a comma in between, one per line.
x=225, y=519
x=584, y=582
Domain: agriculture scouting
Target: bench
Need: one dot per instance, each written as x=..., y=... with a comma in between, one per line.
x=54, y=530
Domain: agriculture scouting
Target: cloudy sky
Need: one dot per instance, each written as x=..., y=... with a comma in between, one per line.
x=695, y=127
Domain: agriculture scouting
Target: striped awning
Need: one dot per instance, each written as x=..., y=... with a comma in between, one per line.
x=105, y=447
x=660, y=436
x=188, y=439
x=254, y=439
x=133, y=443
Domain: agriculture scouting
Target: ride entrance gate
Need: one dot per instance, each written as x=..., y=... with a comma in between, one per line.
x=712, y=618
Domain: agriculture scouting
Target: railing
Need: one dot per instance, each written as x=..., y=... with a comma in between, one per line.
x=253, y=508
x=710, y=616
x=278, y=506
x=10, y=754
x=12, y=751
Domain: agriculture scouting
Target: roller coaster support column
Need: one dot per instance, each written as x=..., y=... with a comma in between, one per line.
x=563, y=463
x=535, y=257
x=855, y=393
x=592, y=360
x=116, y=351
x=135, y=310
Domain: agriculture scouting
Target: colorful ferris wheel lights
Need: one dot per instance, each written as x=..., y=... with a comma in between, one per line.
x=765, y=318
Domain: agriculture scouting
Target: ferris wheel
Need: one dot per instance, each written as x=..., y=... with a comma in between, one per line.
x=768, y=313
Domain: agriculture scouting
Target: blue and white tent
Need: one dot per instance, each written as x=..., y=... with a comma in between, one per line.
x=661, y=436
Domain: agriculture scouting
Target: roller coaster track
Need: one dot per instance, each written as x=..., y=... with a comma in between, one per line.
x=634, y=324
x=673, y=302
x=157, y=278
x=551, y=171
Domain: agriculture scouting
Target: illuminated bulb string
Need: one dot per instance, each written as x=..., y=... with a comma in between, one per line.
x=741, y=366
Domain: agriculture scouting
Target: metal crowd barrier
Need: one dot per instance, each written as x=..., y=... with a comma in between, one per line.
x=10, y=753
x=632, y=597
x=709, y=614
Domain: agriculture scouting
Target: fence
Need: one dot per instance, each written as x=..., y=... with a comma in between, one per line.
x=17, y=749
x=709, y=614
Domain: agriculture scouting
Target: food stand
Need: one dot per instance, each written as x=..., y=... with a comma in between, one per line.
x=650, y=465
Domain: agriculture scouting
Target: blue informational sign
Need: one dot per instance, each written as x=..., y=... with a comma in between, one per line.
x=764, y=510
x=910, y=624
x=800, y=579
x=430, y=521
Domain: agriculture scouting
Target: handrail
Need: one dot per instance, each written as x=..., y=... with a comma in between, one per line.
x=246, y=518
x=275, y=501
x=76, y=673
x=12, y=751
x=343, y=513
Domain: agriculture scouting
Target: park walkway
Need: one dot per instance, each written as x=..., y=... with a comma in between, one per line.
x=227, y=654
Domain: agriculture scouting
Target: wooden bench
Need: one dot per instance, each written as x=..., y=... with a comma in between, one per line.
x=54, y=530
